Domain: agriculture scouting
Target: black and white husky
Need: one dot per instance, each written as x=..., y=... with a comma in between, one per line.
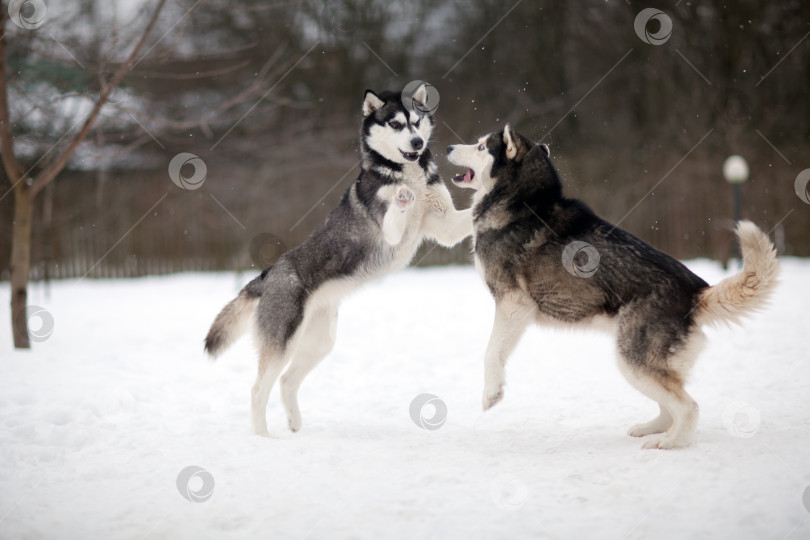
x=551, y=260
x=397, y=201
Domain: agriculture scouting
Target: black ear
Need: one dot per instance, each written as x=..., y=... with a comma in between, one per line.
x=371, y=103
x=546, y=149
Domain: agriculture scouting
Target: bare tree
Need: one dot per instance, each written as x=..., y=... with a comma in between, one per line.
x=25, y=189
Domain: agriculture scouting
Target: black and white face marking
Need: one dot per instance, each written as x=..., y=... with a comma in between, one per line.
x=482, y=155
x=400, y=138
x=477, y=158
x=397, y=134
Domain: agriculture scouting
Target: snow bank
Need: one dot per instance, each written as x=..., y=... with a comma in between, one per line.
x=98, y=421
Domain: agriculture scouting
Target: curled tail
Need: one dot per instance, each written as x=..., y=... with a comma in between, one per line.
x=233, y=320
x=750, y=289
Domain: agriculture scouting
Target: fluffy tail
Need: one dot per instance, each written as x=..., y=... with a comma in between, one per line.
x=749, y=290
x=233, y=320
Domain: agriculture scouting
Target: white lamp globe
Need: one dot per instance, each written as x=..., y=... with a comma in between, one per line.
x=735, y=169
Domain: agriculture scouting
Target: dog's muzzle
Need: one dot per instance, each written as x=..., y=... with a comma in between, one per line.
x=410, y=156
x=464, y=178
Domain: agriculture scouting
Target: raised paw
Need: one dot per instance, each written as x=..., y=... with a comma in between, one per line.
x=404, y=198
x=492, y=398
x=294, y=423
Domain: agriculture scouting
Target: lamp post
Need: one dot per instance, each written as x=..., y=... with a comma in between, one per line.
x=735, y=171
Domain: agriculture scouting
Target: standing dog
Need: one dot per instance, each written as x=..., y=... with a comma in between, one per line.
x=550, y=259
x=397, y=201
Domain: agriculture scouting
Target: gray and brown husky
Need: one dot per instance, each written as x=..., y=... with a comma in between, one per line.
x=551, y=260
x=397, y=201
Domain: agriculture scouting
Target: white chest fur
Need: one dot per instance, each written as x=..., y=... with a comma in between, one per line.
x=413, y=217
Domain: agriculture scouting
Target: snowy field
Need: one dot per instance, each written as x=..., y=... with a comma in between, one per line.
x=98, y=421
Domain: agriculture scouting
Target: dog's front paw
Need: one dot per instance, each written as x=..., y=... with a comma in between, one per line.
x=492, y=398
x=404, y=198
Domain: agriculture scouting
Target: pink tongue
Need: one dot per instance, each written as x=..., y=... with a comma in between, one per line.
x=468, y=175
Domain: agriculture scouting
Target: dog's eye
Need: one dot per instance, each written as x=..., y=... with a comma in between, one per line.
x=416, y=124
x=480, y=147
x=394, y=124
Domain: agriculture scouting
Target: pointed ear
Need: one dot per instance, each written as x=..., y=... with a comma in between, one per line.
x=420, y=95
x=511, y=141
x=371, y=103
x=545, y=149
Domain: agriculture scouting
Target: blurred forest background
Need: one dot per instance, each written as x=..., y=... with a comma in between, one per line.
x=268, y=95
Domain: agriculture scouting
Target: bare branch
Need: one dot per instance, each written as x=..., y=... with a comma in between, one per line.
x=56, y=167
x=10, y=163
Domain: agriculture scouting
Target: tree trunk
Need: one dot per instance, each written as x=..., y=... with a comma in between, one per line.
x=20, y=264
x=23, y=194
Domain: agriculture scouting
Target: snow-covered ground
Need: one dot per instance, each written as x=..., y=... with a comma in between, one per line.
x=98, y=421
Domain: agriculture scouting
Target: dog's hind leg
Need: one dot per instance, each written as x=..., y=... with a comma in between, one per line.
x=656, y=353
x=271, y=362
x=513, y=312
x=316, y=342
x=663, y=382
x=668, y=391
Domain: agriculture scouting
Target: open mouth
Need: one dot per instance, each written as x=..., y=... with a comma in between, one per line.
x=410, y=156
x=465, y=178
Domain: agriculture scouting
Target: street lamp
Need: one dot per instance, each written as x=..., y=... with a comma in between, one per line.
x=735, y=170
